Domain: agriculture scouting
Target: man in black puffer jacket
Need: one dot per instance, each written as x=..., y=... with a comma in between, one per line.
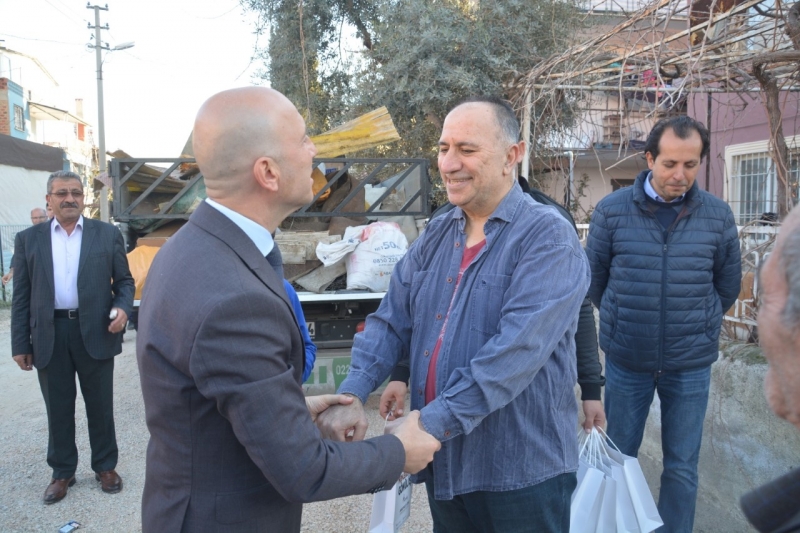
x=665, y=267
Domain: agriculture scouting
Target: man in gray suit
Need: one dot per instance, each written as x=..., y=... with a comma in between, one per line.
x=232, y=446
x=70, y=276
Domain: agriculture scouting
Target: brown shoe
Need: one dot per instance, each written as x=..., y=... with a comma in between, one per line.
x=110, y=481
x=57, y=489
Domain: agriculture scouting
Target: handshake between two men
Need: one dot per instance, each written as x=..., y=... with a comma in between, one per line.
x=340, y=417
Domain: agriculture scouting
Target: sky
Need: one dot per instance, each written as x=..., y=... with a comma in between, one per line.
x=185, y=51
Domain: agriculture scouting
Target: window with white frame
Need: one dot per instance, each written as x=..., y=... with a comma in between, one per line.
x=751, y=179
x=19, y=118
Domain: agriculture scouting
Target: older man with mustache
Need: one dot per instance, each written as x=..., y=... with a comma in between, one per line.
x=61, y=324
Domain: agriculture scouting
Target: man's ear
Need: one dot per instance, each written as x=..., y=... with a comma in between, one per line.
x=651, y=161
x=514, y=155
x=267, y=173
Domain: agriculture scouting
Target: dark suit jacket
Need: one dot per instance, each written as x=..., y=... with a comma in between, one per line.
x=232, y=446
x=104, y=281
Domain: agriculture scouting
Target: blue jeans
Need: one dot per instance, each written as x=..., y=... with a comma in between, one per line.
x=684, y=397
x=540, y=508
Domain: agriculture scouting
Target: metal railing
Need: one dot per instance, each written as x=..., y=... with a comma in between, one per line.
x=756, y=244
x=583, y=233
x=405, y=181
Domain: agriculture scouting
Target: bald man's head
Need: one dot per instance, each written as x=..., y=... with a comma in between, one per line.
x=232, y=130
x=253, y=150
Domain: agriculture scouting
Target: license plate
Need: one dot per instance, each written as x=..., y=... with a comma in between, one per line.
x=312, y=329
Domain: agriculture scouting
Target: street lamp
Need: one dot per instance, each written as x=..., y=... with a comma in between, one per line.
x=101, y=130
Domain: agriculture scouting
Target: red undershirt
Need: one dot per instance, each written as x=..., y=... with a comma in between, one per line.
x=430, y=383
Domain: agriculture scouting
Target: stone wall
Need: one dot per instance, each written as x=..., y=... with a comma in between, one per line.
x=744, y=443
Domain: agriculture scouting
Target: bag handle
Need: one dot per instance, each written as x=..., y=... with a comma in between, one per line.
x=592, y=447
x=608, y=440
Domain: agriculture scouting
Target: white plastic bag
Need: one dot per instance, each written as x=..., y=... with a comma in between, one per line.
x=592, y=509
x=644, y=506
x=626, y=515
x=587, y=499
x=370, y=265
x=607, y=517
x=334, y=252
x=391, y=508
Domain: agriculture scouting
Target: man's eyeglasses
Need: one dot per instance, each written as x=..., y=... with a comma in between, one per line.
x=39, y=218
x=63, y=194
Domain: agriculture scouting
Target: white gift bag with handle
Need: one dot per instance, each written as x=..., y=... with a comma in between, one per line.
x=391, y=508
x=593, y=507
x=644, y=506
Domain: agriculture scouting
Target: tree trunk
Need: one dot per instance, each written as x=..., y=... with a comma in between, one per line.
x=780, y=152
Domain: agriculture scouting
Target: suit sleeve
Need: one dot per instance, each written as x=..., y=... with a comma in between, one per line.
x=21, y=301
x=123, y=286
x=401, y=372
x=590, y=376
x=242, y=366
x=598, y=251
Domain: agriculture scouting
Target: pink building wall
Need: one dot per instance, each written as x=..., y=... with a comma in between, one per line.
x=735, y=119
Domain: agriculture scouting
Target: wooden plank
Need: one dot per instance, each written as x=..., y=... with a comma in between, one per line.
x=299, y=247
x=293, y=253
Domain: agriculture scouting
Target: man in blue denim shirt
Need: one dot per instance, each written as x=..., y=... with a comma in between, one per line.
x=485, y=305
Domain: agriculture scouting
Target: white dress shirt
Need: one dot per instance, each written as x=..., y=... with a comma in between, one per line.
x=66, y=258
x=260, y=236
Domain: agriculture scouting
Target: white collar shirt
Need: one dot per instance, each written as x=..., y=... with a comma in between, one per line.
x=260, y=236
x=66, y=260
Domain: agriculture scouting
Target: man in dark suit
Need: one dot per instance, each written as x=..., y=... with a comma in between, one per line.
x=70, y=277
x=232, y=446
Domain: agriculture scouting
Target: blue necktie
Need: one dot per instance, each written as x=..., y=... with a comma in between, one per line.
x=275, y=259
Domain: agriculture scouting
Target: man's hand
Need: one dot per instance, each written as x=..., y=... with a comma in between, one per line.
x=393, y=400
x=317, y=404
x=118, y=324
x=343, y=422
x=24, y=361
x=418, y=443
x=595, y=415
x=7, y=277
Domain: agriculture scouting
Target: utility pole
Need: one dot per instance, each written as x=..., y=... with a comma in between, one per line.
x=101, y=128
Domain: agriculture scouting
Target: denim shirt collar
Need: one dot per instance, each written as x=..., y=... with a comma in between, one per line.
x=503, y=213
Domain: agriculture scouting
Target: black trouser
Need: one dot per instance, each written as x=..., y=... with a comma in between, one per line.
x=57, y=381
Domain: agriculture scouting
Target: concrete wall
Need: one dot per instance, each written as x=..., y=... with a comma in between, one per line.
x=744, y=445
x=21, y=190
x=601, y=167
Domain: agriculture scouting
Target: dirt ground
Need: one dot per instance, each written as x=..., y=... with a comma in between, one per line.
x=24, y=473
